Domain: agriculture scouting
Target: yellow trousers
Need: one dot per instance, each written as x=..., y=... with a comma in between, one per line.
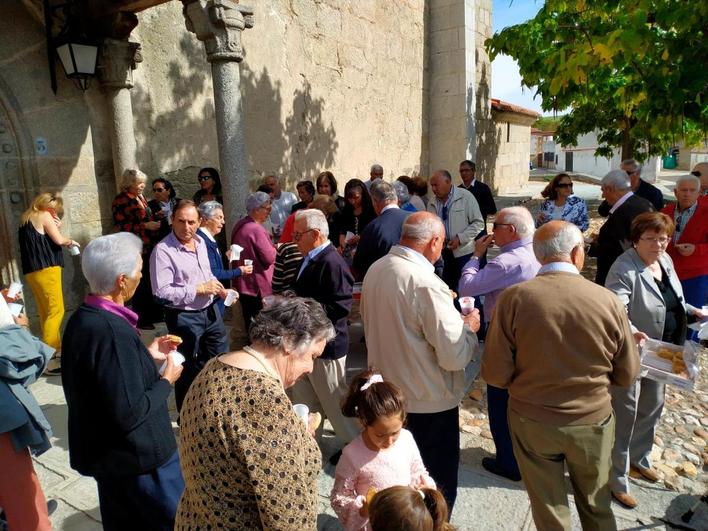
x=46, y=288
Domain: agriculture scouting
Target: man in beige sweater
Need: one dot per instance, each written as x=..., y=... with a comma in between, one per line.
x=557, y=342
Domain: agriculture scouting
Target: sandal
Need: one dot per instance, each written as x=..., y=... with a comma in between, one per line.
x=53, y=367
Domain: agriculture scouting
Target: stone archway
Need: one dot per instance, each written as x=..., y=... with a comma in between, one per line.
x=16, y=182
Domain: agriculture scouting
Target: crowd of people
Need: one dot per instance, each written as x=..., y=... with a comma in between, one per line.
x=246, y=459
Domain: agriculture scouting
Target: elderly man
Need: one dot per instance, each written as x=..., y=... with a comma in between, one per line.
x=281, y=201
x=417, y=339
x=700, y=170
x=462, y=219
x=383, y=232
x=375, y=173
x=689, y=245
x=639, y=186
x=560, y=414
x=477, y=188
x=182, y=280
x=613, y=238
x=325, y=277
x=513, y=233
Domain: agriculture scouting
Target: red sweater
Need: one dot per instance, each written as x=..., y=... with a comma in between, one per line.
x=695, y=232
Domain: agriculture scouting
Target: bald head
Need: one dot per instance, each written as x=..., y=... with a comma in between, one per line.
x=559, y=241
x=700, y=170
x=425, y=233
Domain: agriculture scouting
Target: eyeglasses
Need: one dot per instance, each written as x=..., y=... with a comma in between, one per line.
x=495, y=225
x=204, y=177
x=696, y=173
x=298, y=235
x=661, y=241
x=564, y=185
x=159, y=189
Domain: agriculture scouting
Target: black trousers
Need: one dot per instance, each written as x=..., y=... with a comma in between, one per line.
x=203, y=337
x=250, y=305
x=438, y=438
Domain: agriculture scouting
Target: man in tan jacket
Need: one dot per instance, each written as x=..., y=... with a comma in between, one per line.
x=557, y=342
x=420, y=342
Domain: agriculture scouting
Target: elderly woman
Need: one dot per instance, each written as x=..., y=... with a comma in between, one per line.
x=249, y=461
x=327, y=185
x=561, y=204
x=164, y=202
x=404, y=196
x=119, y=426
x=42, y=261
x=688, y=247
x=211, y=215
x=209, y=186
x=131, y=213
x=645, y=281
x=24, y=430
x=250, y=234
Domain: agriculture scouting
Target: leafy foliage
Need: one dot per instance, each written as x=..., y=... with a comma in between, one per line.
x=634, y=70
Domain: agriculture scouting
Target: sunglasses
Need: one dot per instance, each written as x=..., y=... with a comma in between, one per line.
x=159, y=189
x=696, y=173
x=204, y=177
x=564, y=185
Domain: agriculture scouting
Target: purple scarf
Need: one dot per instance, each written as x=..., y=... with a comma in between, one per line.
x=110, y=306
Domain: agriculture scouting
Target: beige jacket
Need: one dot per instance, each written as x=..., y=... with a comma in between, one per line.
x=465, y=219
x=414, y=335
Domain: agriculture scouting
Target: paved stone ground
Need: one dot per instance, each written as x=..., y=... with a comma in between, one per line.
x=484, y=500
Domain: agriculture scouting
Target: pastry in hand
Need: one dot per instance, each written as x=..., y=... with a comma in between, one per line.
x=370, y=494
x=175, y=339
x=314, y=420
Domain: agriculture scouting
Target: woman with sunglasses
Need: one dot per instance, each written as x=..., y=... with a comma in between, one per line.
x=209, y=187
x=561, y=204
x=163, y=204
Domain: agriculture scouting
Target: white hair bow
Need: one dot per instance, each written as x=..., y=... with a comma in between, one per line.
x=374, y=378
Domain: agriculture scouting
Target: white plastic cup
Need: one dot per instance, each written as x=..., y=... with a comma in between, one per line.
x=231, y=297
x=466, y=305
x=348, y=236
x=248, y=262
x=177, y=359
x=14, y=290
x=236, y=252
x=74, y=250
x=15, y=308
x=303, y=412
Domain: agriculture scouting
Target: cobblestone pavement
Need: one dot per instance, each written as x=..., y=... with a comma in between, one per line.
x=484, y=501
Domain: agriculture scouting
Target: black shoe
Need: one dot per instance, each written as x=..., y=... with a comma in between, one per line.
x=52, y=506
x=490, y=465
x=335, y=458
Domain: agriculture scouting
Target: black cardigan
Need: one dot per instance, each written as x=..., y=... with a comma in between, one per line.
x=118, y=419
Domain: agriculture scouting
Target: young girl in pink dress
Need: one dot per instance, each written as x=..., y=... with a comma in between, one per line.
x=384, y=455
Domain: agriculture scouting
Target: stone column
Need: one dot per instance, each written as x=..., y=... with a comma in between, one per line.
x=218, y=24
x=117, y=61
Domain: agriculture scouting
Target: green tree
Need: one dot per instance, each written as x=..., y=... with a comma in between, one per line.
x=634, y=70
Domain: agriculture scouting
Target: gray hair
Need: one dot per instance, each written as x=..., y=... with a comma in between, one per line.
x=207, y=209
x=520, y=218
x=290, y=324
x=131, y=176
x=401, y=192
x=632, y=166
x=256, y=200
x=422, y=230
x=314, y=219
x=560, y=245
x=617, y=179
x=688, y=178
x=382, y=192
x=107, y=257
x=376, y=167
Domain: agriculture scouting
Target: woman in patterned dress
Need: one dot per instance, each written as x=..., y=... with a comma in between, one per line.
x=561, y=204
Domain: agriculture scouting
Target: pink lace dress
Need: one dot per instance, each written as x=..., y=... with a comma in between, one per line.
x=360, y=468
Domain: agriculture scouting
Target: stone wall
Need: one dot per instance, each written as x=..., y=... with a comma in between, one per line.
x=511, y=133
x=326, y=85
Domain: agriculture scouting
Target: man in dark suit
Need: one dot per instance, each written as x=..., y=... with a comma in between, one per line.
x=382, y=233
x=639, y=186
x=481, y=192
x=325, y=277
x=613, y=238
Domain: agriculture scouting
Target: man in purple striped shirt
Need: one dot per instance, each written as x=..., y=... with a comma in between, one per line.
x=516, y=262
x=182, y=280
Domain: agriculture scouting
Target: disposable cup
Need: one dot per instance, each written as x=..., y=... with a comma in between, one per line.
x=348, y=236
x=74, y=250
x=248, y=262
x=231, y=297
x=14, y=290
x=303, y=412
x=466, y=305
x=177, y=359
x=236, y=252
x=15, y=308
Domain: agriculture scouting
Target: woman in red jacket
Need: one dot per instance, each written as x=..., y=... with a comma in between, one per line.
x=689, y=246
